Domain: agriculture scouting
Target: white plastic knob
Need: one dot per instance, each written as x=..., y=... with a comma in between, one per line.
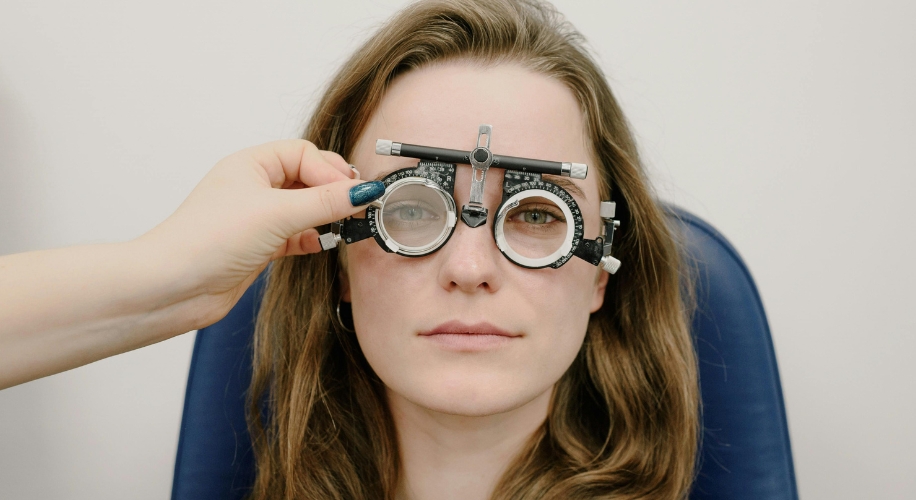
x=578, y=170
x=610, y=264
x=383, y=147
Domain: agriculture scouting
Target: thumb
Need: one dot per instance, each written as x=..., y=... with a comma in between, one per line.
x=315, y=206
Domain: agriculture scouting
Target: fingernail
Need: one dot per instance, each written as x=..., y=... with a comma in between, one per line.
x=355, y=172
x=366, y=192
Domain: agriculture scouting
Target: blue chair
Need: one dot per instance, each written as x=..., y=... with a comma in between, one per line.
x=745, y=451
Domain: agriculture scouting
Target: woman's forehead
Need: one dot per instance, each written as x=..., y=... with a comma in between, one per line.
x=533, y=116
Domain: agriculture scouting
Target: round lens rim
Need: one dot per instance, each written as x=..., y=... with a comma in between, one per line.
x=500, y=236
x=451, y=218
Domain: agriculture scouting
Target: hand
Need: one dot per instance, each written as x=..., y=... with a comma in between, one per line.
x=256, y=205
x=67, y=307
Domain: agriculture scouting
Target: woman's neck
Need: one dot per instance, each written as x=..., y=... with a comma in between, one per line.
x=458, y=457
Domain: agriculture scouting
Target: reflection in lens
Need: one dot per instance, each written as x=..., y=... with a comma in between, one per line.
x=535, y=228
x=414, y=215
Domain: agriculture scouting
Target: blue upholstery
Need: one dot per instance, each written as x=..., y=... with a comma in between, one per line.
x=215, y=459
x=745, y=451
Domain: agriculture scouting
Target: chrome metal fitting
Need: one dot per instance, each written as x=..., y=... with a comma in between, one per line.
x=329, y=241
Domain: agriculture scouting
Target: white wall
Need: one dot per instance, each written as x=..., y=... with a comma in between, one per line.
x=788, y=125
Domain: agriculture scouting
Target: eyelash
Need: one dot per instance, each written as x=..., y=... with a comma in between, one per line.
x=408, y=224
x=538, y=207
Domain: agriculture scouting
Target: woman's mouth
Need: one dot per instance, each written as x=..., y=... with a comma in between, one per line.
x=463, y=337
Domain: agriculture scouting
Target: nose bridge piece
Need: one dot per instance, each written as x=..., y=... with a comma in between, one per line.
x=474, y=214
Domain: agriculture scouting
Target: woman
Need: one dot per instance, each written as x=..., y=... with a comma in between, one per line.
x=464, y=375
x=459, y=373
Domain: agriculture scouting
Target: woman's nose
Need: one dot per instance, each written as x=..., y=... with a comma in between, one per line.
x=471, y=262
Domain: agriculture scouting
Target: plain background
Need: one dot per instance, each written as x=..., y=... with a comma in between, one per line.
x=789, y=125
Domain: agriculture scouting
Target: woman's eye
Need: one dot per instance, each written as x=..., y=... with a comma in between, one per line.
x=410, y=213
x=537, y=217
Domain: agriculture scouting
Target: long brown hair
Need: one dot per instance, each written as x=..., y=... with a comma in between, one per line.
x=623, y=419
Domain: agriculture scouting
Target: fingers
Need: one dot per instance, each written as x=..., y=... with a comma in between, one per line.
x=304, y=209
x=292, y=163
x=300, y=244
x=338, y=162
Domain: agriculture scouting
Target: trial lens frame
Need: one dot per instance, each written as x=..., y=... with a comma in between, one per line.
x=522, y=174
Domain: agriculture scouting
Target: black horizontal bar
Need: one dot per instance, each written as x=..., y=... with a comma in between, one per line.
x=435, y=154
x=456, y=156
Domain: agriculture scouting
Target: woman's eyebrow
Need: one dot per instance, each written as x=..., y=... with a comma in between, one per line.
x=566, y=184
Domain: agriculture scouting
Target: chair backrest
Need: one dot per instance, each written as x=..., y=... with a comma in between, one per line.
x=745, y=452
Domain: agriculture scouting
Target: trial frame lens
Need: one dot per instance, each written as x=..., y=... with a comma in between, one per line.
x=414, y=217
x=556, y=249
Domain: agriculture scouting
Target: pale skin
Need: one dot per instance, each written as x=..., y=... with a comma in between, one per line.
x=462, y=416
x=64, y=308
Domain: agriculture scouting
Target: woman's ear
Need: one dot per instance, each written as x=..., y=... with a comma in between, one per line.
x=600, y=287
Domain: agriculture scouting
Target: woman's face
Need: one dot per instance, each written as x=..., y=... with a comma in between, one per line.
x=465, y=331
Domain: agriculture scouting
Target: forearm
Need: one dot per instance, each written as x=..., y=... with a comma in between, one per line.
x=64, y=308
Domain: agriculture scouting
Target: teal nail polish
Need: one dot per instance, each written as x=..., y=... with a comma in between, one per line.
x=366, y=192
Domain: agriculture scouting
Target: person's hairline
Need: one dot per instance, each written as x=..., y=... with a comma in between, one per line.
x=484, y=62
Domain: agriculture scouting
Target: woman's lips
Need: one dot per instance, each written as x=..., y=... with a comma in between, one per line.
x=459, y=336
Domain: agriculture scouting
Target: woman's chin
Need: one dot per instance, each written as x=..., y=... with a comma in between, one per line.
x=469, y=398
